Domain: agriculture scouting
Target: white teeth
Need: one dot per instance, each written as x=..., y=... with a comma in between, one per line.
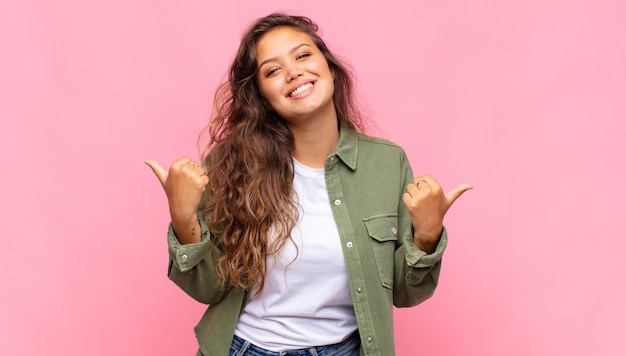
x=301, y=89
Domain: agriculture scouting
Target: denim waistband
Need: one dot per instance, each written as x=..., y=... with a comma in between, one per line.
x=348, y=347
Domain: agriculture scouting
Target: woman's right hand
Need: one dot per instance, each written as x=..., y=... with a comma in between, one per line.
x=184, y=186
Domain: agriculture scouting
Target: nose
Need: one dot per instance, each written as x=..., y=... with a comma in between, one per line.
x=293, y=72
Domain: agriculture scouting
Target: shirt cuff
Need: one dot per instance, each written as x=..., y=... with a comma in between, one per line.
x=187, y=256
x=418, y=258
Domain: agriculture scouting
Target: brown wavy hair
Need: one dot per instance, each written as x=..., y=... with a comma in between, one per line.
x=249, y=159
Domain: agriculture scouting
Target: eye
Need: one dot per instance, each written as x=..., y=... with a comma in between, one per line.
x=271, y=72
x=303, y=55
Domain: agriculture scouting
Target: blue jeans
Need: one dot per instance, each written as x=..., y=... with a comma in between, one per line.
x=349, y=347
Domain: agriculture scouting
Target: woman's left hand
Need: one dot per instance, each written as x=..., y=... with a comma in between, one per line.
x=427, y=205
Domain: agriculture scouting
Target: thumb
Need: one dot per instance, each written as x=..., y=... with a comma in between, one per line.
x=455, y=193
x=159, y=171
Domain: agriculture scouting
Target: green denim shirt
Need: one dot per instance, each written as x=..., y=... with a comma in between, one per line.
x=365, y=178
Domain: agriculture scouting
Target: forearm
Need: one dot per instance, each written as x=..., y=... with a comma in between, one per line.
x=187, y=230
x=192, y=266
x=427, y=244
x=417, y=272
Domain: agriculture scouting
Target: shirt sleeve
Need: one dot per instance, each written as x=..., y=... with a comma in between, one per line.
x=418, y=258
x=192, y=267
x=185, y=257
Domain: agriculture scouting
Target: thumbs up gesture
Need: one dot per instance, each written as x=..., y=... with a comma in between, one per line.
x=427, y=205
x=184, y=185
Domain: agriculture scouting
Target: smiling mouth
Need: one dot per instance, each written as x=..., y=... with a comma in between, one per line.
x=301, y=89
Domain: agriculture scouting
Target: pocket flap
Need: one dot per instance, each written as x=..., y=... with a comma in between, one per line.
x=382, y=227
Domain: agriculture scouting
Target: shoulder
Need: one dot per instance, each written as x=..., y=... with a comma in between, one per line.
x=369, y=151
x=374, y=143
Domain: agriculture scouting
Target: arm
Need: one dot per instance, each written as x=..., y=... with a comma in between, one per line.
x=191, y=251
x=192, y=266
x=422, y=239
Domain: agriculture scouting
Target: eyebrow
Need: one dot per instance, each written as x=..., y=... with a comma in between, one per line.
x=291, y=51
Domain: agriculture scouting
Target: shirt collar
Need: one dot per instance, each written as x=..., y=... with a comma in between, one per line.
x=347, y=148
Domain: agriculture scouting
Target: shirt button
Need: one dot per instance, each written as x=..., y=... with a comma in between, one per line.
x=394, y=230
x=184, y=257
x=337, y=202
x=359, y=290
x=332, y=159
x=369, y=340
x=349, y=244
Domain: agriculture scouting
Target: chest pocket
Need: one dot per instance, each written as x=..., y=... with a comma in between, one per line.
x=383, y=230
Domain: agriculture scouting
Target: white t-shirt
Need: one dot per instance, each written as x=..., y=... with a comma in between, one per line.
x=306, y=299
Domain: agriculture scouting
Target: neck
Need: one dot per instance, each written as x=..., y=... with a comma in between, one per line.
x=314, y=142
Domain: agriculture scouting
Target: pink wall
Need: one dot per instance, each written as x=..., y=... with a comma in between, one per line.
x=526, y=101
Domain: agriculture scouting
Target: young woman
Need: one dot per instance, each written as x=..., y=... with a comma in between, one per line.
x=299, y=231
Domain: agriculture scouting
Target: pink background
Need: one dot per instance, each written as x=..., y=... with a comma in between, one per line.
x=526, y=100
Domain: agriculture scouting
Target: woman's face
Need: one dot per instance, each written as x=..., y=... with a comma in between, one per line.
x=294, y=76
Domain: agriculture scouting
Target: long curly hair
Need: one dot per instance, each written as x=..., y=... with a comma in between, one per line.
x=249, y=203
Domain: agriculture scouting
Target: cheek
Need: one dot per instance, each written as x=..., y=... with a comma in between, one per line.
x=323, y=66
x=269, y=89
